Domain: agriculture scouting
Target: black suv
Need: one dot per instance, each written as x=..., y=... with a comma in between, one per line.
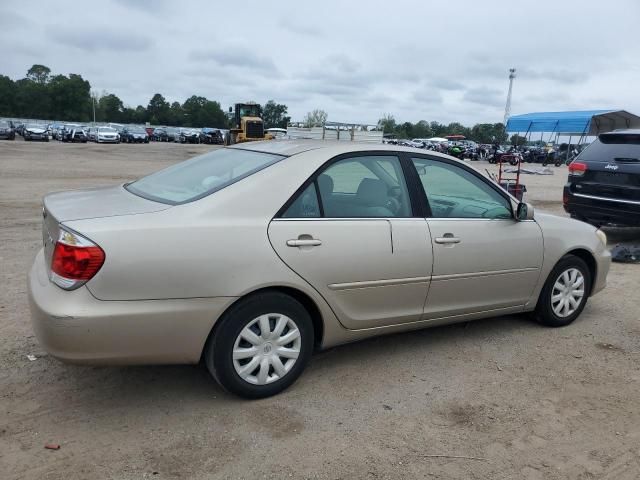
x=604, y=181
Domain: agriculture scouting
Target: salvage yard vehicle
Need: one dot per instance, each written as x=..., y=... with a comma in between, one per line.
x=7, y=131
x=159, y=135
x=603, y=186
x=134, y=135
x=107, y=135
x=34, y=131
x=212, y=136
x=73, y=134
x=250, y=257
x=189, y=135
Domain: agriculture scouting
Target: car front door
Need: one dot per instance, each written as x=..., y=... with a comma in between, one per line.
x=350, y=232
x=483, y=258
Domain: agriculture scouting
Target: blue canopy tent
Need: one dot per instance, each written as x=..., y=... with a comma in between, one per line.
x=579, y=123
x=583, y=123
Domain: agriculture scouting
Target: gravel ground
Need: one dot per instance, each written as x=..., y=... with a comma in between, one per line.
x=501, y=398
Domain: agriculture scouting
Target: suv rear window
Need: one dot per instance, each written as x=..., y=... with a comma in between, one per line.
x=611, y=146
x=201, y=176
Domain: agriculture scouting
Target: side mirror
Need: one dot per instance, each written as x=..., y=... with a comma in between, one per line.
x=524, y=212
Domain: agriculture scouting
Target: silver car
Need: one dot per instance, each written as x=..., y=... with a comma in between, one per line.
x=249, y=258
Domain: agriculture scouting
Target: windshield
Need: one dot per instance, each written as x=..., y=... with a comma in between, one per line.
x=201, y=176
x=35, y=125
x=4, y=124
x=107, y=130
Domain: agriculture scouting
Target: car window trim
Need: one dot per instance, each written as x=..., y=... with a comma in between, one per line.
x=314, y=176
x=477, y=174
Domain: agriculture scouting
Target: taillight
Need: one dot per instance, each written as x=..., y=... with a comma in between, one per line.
x=577, y=169
x=75, y=260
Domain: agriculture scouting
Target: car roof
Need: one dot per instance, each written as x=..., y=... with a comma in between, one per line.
x=293, y=147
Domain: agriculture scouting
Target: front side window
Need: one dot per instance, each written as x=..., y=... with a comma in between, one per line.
x=201, y=176
x=357, y=187
x=453, y=192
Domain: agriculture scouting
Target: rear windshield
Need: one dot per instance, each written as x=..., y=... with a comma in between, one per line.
x=609, y=147
x=201, y=176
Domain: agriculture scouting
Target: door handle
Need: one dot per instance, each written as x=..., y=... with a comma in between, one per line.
x=447, y=239
x=306, y=242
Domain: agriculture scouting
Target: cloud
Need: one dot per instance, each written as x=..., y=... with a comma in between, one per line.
x=484, y=96
x=237, y=56
x=298, y=28
x=101, y=39
x=445, y=83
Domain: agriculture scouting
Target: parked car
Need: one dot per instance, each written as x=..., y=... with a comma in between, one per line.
x=603, y=187
x=250, y=257
x=73, y=134
x=212, y=136
x=173, y=134
x=7, y=131
x=189, y=135
x=107, y=135
x=134, y=135
x=34, y=131
x=20, y=128
x=160, y=135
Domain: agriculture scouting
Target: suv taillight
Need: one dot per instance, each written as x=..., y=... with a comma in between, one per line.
x=75, y=260
x=577, y=169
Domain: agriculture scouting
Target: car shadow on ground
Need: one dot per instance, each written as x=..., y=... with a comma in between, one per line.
x=117, y=387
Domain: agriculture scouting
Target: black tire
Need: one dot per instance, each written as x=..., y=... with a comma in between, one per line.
x=544, y=313
x=218, y=354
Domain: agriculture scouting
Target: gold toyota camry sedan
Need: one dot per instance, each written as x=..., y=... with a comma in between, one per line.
x=250, y=257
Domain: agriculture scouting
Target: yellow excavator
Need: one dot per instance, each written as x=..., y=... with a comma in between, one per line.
x=246, y=124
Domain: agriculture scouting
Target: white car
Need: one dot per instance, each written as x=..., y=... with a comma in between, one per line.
x=107, y=135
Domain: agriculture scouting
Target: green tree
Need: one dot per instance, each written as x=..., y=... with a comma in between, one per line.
x=275, y=115
x=422, y=129
x=387, y=123
x=39, y=74
x=109, y=108
x=7, y=96
x=315, y=118
x=176, y=114
x=70, y=98
x=518, y=140
x=159, y=109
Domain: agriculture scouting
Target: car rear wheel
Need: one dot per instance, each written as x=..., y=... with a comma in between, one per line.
x=565, y=292
x=261, y=346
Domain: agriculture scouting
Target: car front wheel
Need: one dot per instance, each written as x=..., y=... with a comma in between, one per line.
x=261, y=346
x=565, y=292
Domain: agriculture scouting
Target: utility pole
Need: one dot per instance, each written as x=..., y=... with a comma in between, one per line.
x=507, y=108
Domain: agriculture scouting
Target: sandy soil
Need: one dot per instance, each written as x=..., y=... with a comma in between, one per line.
x=501, y=398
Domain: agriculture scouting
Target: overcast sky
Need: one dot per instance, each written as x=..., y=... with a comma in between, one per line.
x=444, y=61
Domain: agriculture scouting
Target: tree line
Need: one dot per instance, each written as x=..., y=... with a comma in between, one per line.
x=481, y=132
x=69, y=98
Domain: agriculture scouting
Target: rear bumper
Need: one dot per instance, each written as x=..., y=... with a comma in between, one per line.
x=601, y=211
x=75, y=327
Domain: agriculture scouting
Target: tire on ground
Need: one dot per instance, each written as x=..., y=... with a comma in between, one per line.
x=544, y=313
x=218, y=353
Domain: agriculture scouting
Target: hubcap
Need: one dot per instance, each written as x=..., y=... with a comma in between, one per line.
x=266, y=349
x=567, y=293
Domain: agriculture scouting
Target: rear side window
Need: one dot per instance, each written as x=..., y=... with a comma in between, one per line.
x=609, y=147
x=201, y=176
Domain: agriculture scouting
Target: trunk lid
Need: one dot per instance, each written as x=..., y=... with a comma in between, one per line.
x=613, y=168
x=90, y=203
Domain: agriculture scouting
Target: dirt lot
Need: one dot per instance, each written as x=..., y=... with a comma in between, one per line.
x=501, y=398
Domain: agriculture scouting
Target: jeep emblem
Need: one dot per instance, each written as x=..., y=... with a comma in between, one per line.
x=610, y=166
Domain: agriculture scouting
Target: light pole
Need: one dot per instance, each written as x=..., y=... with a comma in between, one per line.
x=507, y=107
x=94, y=110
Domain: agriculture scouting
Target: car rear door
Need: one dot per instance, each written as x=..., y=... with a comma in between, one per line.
x=351, y=234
